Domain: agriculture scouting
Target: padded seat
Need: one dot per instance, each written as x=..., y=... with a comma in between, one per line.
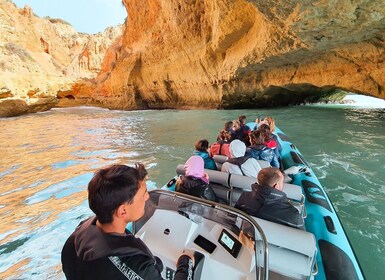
x=291, y=251
x=231, y=186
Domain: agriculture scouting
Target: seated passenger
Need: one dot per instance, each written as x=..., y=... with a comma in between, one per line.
x=271, y=123
x=267, y=135
x=222, y=146
x=244, y=129
x=257, y=122
x=202, y=150
x=101, y=247
x=228, y=127
x=239, y=163
x=271, y=141
x=268, y=201
x=236, y=132
x=196, y=181
x=258, y=150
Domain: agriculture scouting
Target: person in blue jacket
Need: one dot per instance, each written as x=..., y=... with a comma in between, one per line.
x=202, y=150
x=258, y=149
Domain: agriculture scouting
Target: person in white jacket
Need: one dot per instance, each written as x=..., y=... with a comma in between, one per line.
x=239, y=163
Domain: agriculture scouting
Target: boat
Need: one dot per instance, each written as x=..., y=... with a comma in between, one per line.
x=229, y=244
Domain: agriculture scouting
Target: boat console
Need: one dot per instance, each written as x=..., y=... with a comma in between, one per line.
x=228, y=243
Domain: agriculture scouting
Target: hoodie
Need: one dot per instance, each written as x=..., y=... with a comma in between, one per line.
x=270, y=204
x=209, y=163
x=239, y=164
x=89, y=253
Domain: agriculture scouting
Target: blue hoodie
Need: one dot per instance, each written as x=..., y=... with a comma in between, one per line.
x=209, y=162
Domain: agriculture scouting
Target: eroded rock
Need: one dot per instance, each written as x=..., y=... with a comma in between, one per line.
x=181, y=54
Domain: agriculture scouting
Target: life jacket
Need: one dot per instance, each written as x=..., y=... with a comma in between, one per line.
x=220, y=147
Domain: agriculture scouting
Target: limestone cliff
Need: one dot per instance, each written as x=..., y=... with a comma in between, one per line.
x=43, y=59
x=188, y=54
x=212, y=53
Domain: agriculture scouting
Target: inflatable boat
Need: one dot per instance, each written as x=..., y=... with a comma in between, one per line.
x=229, y=244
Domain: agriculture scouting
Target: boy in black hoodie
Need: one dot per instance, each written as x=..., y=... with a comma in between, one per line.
x=101, y=247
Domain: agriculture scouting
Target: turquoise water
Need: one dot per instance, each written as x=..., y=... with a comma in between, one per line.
x=48, y=158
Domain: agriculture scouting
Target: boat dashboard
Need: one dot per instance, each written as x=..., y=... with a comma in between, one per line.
x=222, y=253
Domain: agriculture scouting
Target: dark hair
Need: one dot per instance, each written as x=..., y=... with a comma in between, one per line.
x=228, y=125
x=265, y=131
x=242, y=119
x=257, y=138
x=112, y=186
x=268, y=176
x=224, y=135
x=202, y=145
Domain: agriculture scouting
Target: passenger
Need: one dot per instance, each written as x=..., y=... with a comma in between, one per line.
x=258, y=150
x=244, y=129
x=228, y=127
x=271, y=123
x=101, y=247
x=268, y=201
x=237, y=132
x=239, y=163
x=271, y=142
x=202, y=150
x=258, y=122
x=267, y=135
x=222, y=146
x=196, y=181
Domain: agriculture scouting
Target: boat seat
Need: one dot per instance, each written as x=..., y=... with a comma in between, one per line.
x=291, y=251
x=230, y=186
x=243, y=183
x=215, y=176
x=220, y=160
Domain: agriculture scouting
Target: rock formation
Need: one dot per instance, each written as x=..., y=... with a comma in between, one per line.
x=203, y=53
x=42, y=60
x=238, y=53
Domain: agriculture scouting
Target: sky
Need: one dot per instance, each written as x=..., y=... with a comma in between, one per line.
x=88, y=16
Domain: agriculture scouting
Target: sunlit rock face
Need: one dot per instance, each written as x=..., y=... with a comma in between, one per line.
x=190, y=54
x=42, y=60
x=237, y=53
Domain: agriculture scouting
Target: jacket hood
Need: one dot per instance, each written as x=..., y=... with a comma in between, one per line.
x=203, y=155
x=237, y=148
x=269, y=194
x=92, y=243
x=194, y=167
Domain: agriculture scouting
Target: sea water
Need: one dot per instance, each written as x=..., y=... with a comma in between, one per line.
x=48, y=158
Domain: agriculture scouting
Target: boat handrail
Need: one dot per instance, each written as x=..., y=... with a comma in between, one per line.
x=262, y=272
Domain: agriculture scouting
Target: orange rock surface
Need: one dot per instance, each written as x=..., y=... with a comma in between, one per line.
x=43, y=59
x=182, y=54
x=189, y=54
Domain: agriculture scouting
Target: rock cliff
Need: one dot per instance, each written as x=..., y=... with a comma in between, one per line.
x=238, y=53
x=189, y=54
x=42, y=60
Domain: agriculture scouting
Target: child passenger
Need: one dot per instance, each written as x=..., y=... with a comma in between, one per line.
x=196, y=181
x=202, y=150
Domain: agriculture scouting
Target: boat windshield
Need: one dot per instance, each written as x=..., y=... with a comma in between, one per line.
x=197, y=209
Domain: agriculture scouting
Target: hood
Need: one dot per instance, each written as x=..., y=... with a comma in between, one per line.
x=195, y=167
x=92, y=243
x=237, y=148
x=203, y=155
x=269, y=194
